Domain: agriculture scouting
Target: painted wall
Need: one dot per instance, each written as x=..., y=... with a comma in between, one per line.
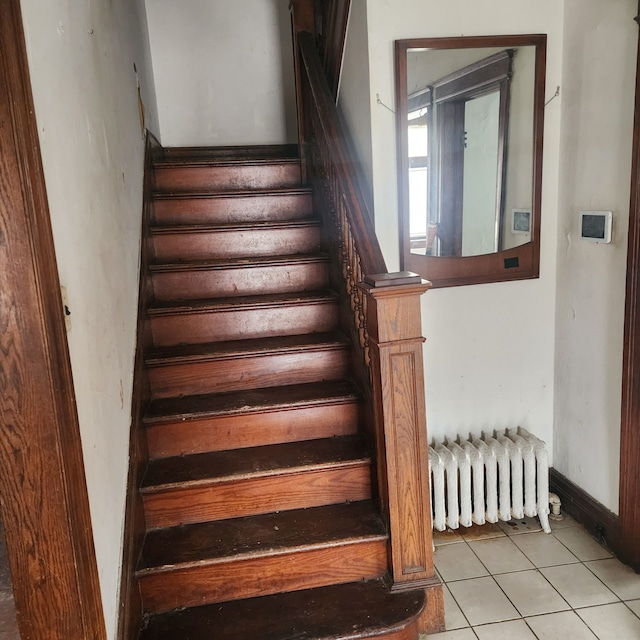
x=600, y=39
x=81, y=58
x=354, y=91
x=489, y=356
x=223, y=71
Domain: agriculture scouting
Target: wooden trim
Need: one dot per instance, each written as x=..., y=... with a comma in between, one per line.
x=596, y=518
x=130, y=618
x=513, y=264
x=334, y=37
x=629, y=505
x=45, y=507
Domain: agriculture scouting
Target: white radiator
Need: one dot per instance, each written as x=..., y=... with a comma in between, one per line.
x=485, y=479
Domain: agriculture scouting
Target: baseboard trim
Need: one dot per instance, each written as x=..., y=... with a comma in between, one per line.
x=130, y=613
x=596, y=518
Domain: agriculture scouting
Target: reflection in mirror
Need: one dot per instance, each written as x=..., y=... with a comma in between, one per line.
x=469, y=140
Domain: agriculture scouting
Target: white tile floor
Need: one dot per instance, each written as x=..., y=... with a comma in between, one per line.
x=511, y=581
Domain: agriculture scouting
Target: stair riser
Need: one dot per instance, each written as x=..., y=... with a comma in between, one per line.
x=221, y=283
x=234, y=324
x=253, y=577
x=228, y=209
x=194, y=178
x=252, y=430
x=248, y=373
x=236, y=243
x=252, y=496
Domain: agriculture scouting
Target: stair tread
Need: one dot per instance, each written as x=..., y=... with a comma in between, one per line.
x=167, y=307
x=249, y=401
x=265, y=534
x=208, y=161
x=237, y=464
x=234, y=263
x=277, y=151
x=258, y=226
x=231, y=193
x=246, y=348
x=339, y=612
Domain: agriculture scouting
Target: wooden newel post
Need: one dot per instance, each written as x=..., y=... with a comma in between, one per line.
x=395, y=342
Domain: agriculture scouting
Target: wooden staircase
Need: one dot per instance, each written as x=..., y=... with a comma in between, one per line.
x=258, y=491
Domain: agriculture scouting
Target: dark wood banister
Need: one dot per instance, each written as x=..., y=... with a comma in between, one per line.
x=385, y=321
x=335, y=133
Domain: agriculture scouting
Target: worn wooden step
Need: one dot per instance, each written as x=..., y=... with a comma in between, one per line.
x=235, y=483
x=244, y=364
x=226, y=174
x=239, y=276
x=259, y=555
x=239, y=152
x=352, y=611
x=233, y=207
x=236, y=240
x=195, y=321
x=251, y=418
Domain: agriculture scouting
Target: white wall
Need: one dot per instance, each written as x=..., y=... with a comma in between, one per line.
x=489, y=357
x=354, y=91
x=81, y=57
x=597, y=118
x=223, y=71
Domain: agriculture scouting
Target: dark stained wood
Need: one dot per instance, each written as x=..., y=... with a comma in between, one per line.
x=197, y=558
x=232, y=241
x=223, y=366
x=496, y=267
x=249, y=317
x=239, y=277
x=45, y=508
x=166, y=549
x=630, y=418
x=233, y=207
x=200, y=175
x=341, y=561
x=366, y=610
x=130, y=618
x=250, y=152
x=596, y=518
x=252, y=418
x=335, y=17
x=395, y=331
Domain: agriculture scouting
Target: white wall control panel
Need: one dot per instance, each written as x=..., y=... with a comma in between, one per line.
x=595, y=226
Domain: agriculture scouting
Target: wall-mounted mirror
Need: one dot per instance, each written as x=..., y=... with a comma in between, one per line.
x=469, y=127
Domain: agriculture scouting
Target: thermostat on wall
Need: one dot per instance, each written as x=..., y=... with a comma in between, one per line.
x=595, y=226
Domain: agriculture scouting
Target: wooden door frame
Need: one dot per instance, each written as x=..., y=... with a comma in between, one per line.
x=45, y=507
x=629, y=504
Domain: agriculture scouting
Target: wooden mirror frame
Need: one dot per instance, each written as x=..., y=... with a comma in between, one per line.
x=517, y=263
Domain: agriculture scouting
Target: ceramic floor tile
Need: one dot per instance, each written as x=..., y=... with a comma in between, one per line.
x=560, y=626
x=500, y=555
x=523, y=525
x=446, y=537
x=458, y=562
x=460, y=634
x=581, y=544
x=543, y=549
x=566, y=522
x=453, y=617
x=634, y=605
x=619, y=578
x=484, y=532
x=514, y=630
x=531, y=593
x=611, y=622
x=482, y=601
x=578, y=586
